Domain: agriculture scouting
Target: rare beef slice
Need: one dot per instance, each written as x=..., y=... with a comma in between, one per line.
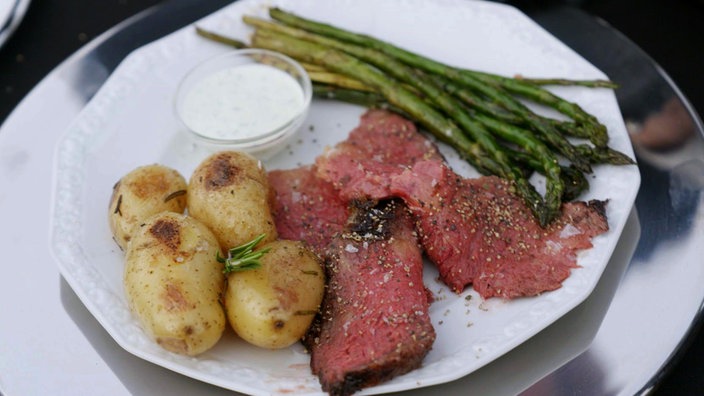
x=380, y=148
x=476, y=231
x=374, y=322
x=307, y=208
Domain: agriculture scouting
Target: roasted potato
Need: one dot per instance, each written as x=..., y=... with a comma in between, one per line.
x=174, y=283
x=272, y=306
x=229, y=192
x=141, y=193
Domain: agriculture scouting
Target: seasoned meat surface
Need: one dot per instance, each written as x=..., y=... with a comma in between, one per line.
x=374, y=322
x=372, y=206
x=383, y=146
x=476, y=231
x=307, y=208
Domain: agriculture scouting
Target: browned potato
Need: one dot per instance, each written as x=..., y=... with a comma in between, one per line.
x=141, y=193
x=173, y=283
x=229, y=192
x=272, y=306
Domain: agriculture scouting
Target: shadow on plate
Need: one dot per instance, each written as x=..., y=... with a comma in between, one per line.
x=139, y=376
x=563, y=341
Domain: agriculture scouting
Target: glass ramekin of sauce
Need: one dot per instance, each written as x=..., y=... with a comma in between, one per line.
x=251, y=100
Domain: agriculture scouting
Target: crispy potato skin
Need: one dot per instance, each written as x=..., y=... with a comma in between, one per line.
x=229, y=192
x=273, y=306
x=174, y=283
x=141, y=193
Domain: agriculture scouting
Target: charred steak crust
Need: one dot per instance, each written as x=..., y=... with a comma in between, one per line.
x=374, y=322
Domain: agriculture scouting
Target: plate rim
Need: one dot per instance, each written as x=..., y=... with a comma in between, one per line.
x=92, y=307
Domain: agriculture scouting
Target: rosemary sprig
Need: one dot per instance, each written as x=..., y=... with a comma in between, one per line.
x=243, y=257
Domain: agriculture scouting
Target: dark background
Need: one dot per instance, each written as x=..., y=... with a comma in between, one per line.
x=669, y=31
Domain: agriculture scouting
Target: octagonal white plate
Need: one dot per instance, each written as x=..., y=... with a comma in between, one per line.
x=131, y=122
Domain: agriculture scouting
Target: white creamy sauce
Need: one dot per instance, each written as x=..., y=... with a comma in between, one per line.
x=242, y=102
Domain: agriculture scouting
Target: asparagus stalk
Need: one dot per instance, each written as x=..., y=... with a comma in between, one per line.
x=481, y=81
x=598, y=134
x=392, y=91
x=549, y=165
x=315, y=72
x=596, y=155
x=448, y=105
x=573, y=179
x=413, y=88
x=483, y=151
x=362, y=98
x=220, y=38
x=570, y=128
x=512, y=111
x=321, y=75
x=575, y=183
x=566, y=128
x=372, y=77
x=567, y=82
x=337, y=80
x=604, y=155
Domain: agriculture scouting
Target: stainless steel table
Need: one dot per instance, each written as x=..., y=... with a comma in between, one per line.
x=49, y=343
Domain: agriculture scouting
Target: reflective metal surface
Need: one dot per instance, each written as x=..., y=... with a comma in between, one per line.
x=659, y=297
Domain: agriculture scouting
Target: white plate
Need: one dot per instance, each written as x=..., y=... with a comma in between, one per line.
x=131, y=122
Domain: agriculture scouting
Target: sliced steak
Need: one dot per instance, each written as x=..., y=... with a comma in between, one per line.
x=307, y=208
x=374, y=322
x=476, y=231
x=382, y=146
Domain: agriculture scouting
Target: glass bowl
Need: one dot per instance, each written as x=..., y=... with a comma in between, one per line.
x=250, y=100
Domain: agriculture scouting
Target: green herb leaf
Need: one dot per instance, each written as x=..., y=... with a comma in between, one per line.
x=243, y=257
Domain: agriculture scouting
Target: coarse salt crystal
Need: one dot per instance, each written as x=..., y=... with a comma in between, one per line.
x=569, y=231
